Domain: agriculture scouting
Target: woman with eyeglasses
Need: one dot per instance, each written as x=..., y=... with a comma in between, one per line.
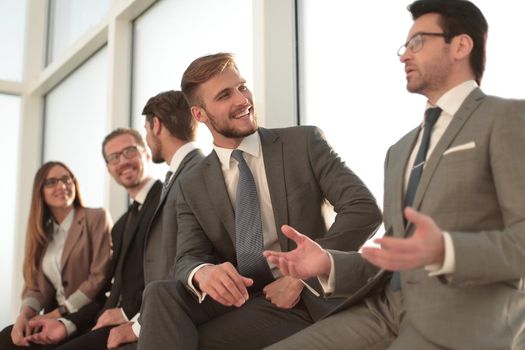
x=67, y=254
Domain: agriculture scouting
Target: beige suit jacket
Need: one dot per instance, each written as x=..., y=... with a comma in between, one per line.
x=85, y=262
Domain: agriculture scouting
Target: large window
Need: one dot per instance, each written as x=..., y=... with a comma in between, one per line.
x=69, y=20
x=12, y=25
x=172, y=34
x=353, y=85
x=75, y=125
x=10, y=112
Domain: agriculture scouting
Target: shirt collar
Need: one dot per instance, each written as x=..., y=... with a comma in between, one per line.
x=454, y=98
x=251, y=144
x=66, y=224
x=143, y=193
x=180, y=154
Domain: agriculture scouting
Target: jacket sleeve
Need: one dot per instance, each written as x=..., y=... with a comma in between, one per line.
x=357, y=214
x=98, y=225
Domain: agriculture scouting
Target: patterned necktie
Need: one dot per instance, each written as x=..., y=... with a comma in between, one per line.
x=249, y=242
x=431, y=116
x=166, y=183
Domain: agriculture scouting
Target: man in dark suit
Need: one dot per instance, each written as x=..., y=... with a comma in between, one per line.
x=458, y=252
x=225, y=294
x=170, y=132
x=127, y=159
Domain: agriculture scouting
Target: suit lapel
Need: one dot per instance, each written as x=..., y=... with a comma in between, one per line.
x=272, y=149
x=457, y=123
x=186, y=159
x=145, y=208
x=218, y=194
x=74, y=234
x=397, y=165
x=129, y=234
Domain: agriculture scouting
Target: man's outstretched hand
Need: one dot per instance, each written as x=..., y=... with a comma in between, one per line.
x=425, y=247
x=308, y=260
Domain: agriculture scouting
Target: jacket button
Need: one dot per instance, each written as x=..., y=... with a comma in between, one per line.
x=64, y=284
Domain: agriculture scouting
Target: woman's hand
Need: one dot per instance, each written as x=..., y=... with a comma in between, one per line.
x=21, y=328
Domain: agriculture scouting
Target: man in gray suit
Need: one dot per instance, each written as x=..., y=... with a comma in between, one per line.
x=170, y=132
x=459, y=249
x=288, y=175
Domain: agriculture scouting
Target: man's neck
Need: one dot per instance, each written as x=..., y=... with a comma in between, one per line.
x=455, y=78
x=170, y=149
x=132, y=192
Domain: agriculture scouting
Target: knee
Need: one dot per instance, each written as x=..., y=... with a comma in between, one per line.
x=163, y=290
x=5, y=338
x=153, y=292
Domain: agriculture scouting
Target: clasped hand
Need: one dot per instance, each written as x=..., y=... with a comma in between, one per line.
x=110, y=317
x=223, y=283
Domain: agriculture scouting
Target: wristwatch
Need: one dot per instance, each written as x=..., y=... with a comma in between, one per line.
x=62, y=310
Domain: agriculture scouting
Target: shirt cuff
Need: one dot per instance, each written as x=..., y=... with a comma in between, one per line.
x=33, y=303
x=449, y=262
x=76, y=301
x=328, y=282
x=70, y=326
x=124, y=314
x=136, y=326
x=200, y=295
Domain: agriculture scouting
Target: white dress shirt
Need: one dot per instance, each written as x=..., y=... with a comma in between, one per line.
x=52, y=266
x=179, y=155
x=52, y=261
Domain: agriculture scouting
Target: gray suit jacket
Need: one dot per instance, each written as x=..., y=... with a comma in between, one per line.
x=302, y=171
x=473, y=187
x=161, y=239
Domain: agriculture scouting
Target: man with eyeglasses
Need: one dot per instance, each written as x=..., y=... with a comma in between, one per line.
x=170, y=132
x=127, y=161
x=454, y=212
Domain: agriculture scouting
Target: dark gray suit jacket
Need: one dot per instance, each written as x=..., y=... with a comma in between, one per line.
x=472, y=186
x=161, y=239
x=302, y=172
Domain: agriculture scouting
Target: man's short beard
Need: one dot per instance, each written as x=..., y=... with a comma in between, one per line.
x=156, y=154
x=230, y=132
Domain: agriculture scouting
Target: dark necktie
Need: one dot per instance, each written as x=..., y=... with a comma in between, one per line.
x=131, y=219
x=115, y=298
x=166, y=183
x=431, y=116
x=249, y=242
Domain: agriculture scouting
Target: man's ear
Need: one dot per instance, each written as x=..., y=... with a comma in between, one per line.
x=463, y=45
x=199, y=114
x=157, y=126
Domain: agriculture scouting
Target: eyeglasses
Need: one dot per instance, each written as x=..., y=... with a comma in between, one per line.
x=415, y=43
x=128, y=152
x=53, y=181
